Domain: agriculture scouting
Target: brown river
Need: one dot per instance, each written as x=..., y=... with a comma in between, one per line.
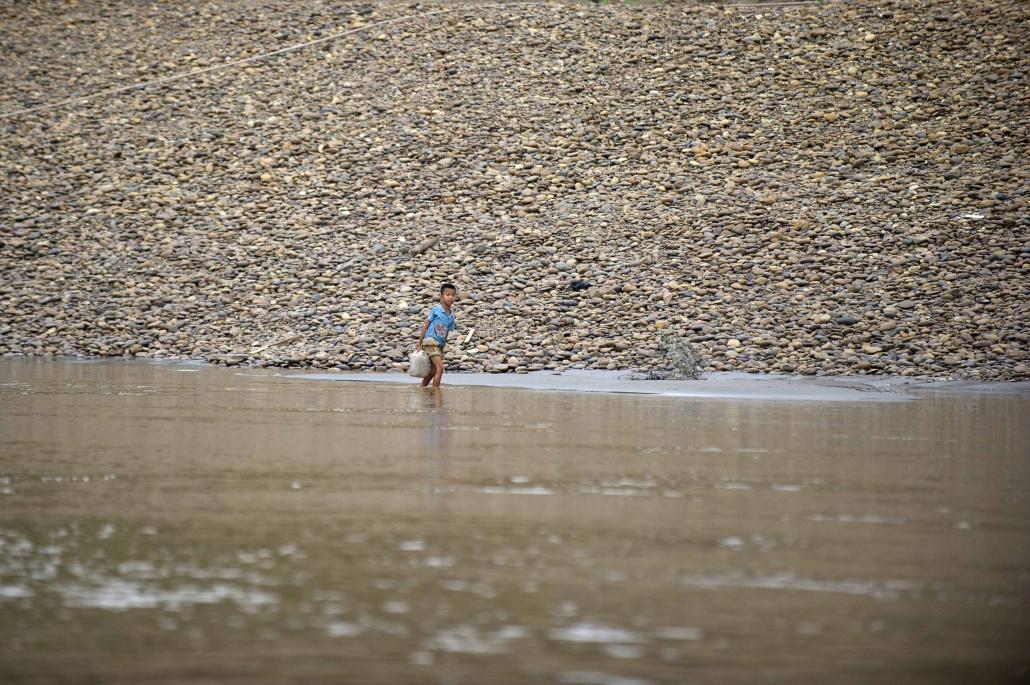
x=178, y=523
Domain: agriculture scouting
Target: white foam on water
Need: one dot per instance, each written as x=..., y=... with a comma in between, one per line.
x=512, y=632
x=77, y=479
x=467, y=639
x=396, y=606
x=343, y=629
x=878, y=589
x=628, y=483
x=731, y=542
x=531, y=490
x=595, y=632
x=598, y=678
x=621, y=492
x=567, y=608
x=18, y=547
x=116, y=594
x=678, y=633
x=14, y=592
x=848, y=518
x=623, y=651
x=463, y=639
x=141, y=569
x=479, y=588
x=412, y=546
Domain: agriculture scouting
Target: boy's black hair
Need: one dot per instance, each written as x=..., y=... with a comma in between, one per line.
x=445, y=286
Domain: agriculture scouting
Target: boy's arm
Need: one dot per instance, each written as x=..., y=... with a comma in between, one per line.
x=422, y=334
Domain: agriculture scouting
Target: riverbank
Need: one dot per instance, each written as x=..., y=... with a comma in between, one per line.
x=830, y=190
x=728, y=385
x=712, y=386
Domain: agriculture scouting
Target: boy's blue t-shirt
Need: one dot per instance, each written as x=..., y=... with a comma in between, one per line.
x=440, y=324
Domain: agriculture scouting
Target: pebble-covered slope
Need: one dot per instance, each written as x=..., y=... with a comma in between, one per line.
x=839, y=189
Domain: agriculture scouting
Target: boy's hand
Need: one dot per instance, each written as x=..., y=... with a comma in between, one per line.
x=418, y=346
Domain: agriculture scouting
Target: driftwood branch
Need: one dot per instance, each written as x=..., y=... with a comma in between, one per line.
x=424, y=245
x=281, y=341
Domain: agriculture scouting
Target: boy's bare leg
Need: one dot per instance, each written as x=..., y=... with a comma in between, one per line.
x=437, y=371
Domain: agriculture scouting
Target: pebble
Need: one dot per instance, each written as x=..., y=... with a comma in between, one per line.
x=592, y=178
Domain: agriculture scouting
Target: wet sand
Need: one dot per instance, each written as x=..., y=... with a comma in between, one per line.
x=171, y=523
x=716, y=385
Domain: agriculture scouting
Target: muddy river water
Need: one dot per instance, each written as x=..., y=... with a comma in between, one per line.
x=165, y=523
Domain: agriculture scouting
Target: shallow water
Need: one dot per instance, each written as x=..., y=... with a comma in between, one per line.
x=177, y=523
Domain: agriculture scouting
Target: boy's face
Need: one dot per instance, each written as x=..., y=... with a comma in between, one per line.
x=448, y=296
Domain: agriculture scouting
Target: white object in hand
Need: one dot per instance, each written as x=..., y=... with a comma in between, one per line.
x=418, y=364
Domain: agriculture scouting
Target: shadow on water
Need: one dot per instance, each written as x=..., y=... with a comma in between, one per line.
x=168, y=523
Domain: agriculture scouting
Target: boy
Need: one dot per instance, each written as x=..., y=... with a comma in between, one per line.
x=433, y=335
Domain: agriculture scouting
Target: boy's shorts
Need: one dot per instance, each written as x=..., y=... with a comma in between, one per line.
x=432, y=348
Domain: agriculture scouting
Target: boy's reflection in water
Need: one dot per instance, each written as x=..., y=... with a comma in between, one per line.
x=436, y=443
x=435, y=421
